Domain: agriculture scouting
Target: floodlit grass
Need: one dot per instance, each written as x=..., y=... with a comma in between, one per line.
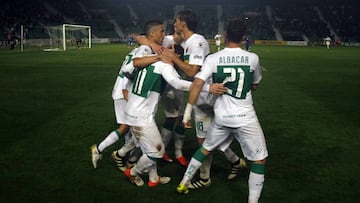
x=55, y=105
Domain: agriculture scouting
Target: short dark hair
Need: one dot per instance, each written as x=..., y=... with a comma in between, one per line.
x=235, y=30
x=189, y=17
x=149, y=25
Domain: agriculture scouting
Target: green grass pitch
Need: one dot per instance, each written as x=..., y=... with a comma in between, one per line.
x=55, y=105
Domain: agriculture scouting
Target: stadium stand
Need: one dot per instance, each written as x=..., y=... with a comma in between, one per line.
x=267, y=20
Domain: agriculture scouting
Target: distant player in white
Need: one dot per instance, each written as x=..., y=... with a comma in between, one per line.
x=218, y=41
x=235, y=115
x=196, y=48
x=327, y=42
x=119, y=95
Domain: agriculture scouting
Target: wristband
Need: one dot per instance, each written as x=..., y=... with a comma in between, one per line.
x=187, y=113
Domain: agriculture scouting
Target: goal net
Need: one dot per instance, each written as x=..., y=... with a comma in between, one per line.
x=68, y=36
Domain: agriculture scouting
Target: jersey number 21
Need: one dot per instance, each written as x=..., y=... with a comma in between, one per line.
x=237, y=79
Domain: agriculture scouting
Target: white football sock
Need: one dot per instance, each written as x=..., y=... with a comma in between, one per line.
x=134, y=154
x=126, y=148
x=178, y=144
x=144, y=163
x=194, y=165
x=153, y=175
x=256, y=182
x=206, y=167
x=109, y=140
x=230, y=155
x=166, y=136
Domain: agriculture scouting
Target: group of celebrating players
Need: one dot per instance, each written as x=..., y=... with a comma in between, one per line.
x=219, y=94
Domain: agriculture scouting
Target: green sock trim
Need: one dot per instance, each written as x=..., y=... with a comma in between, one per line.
x=118, y=133
x=258, y=168
x=199, y=155
x=180, y=130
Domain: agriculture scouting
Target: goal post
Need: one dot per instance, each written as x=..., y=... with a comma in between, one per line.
x=69, y=36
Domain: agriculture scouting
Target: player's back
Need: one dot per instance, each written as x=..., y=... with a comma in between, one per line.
x=237, y=69
x=147, y=86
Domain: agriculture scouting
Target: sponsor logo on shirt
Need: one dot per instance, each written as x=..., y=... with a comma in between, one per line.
x=197, y=57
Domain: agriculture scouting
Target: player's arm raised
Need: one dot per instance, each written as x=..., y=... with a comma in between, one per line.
x=142, y=40
x=142, y=62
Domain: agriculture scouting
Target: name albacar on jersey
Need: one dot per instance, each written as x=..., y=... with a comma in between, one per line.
x=233, y=60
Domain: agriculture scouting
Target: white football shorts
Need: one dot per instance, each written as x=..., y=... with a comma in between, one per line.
x=250, y=137
x=120, y=105
x=203, y=117
x=149, y=140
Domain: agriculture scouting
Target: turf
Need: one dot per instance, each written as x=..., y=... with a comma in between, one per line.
x=54, y=105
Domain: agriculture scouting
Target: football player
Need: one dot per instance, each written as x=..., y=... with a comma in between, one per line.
x=235, y=114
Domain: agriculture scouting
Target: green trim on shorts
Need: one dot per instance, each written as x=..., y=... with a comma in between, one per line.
x=257, y=168
x=199, y=155
x=180, y=130
x=153, y=158
x=118, y=133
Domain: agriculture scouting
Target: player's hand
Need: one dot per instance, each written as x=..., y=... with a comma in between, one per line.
x=254, y=87
x=217, y=89
x=125, y=93
x=187, y=116
x=187, y=125
x=168, y=52
x=156, y=48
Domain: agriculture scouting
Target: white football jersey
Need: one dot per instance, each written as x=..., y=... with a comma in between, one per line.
x=196, y=48
x=142, y=51
x=145, y=92
x=121, y=81
x=168, y=41
x=237, y=70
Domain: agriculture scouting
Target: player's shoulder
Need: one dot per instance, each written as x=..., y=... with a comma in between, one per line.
x=199, y=36
x=142, y=47
x=251, y=55
x=168, y=40
x=132, y=52
x=143, y=50
x=197, y=40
